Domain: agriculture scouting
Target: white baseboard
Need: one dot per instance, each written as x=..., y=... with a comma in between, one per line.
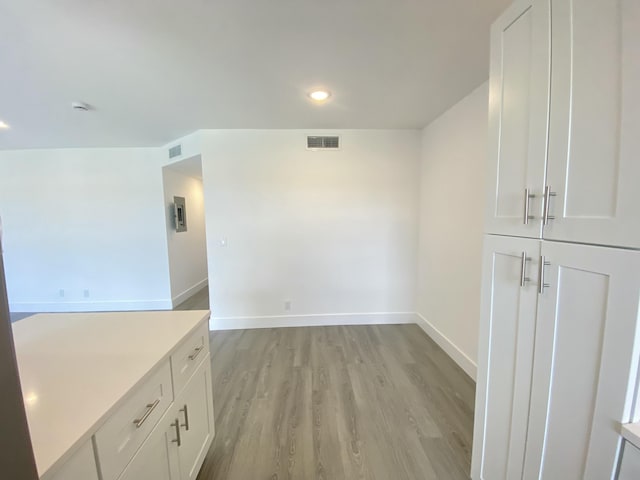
x=189, y=292
x=109, y=306
x=458, y=356
x=312, y=320
x=328, y=319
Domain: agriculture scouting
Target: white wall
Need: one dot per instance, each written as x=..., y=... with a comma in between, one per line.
x=452, y=177
x=331, y=232
x=84, y=219
x=389, y=225
x=187, y=250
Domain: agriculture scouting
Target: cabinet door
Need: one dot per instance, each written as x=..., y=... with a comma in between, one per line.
x=505, y=358
x=126, y=429
x=518, y=118
x=157, y=458
x=81, y=466
x=630, y=465
x=595, y=123
x=585, y=361
x=195, y=409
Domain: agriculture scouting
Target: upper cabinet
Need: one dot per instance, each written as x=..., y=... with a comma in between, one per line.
x=518, y=118
x=594, y=138
x=584, y=133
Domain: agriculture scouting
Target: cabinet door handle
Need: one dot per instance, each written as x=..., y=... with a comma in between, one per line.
x=196, y=352
x=186, y=417
x=527, y=197
x=523, y=269
x=547, y=197
x=177, y=440
x=150, y=408
x=541, y=284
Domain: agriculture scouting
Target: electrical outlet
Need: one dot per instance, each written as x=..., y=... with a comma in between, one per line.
x=62, y=292
x=287, y=305
x=86, y=294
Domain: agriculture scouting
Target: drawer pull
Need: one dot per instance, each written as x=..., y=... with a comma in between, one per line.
x=186, y=417
x=196, y=352
x=150, y=408
x=177, y=440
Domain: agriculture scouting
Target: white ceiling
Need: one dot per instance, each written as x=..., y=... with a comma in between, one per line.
x=156, y=70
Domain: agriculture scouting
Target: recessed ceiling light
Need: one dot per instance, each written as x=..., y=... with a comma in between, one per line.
x=4, y=126
x=83, y=107
x=319, y=95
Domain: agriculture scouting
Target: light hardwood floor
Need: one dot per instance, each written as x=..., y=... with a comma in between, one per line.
x=347, y=402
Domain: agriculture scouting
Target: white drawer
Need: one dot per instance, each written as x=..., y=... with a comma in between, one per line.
x=81, y=466
x=188, y=356
x=630, y=465
x=125, y=430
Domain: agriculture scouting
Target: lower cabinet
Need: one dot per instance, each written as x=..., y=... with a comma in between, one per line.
x=630, y=465
x=81, y=466
x=195, y=414
x=585, y=366
x=127, y=428
x=558, y=363
x=510, y=270
x=176, y=448
x=157, y=459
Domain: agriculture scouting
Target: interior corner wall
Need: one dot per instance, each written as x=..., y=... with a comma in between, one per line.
x=187, y=250
x=452, y=194
x=311, y=237
x=84, y=229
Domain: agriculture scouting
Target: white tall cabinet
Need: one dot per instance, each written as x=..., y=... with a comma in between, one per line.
x=585, y=361
x=506, y=345
x=594, y=141
x=564, y=117
x=559, y=340
x=518, y=117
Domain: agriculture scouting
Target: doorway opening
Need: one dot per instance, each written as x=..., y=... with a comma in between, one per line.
x=186, y=234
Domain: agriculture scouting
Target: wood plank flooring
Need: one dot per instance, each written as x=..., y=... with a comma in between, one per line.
x=347, y=402
x=198, y=301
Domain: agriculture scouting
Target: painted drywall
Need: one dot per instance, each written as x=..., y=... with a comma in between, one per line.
x=452, y=193
x=331, y=232
x=88, y=222
x=187, y=250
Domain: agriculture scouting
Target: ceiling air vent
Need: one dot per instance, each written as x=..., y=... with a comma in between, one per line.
x=323, y=143
x=175, y=151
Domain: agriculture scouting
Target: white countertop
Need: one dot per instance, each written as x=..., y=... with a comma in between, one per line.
x=631, y=432
x=76, y=367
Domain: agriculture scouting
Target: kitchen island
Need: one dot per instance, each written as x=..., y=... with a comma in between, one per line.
x=124, y=394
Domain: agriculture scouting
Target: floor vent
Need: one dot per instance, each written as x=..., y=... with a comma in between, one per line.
x=323, y=143
x=175, y=151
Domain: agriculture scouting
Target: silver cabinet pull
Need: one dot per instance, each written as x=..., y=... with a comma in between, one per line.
x=541, y=284
x=547, y=197
x=186, y=417
x=196, y=352
x=177, y=440
x=150, y=408
x=523, y=269
x=527, y=197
